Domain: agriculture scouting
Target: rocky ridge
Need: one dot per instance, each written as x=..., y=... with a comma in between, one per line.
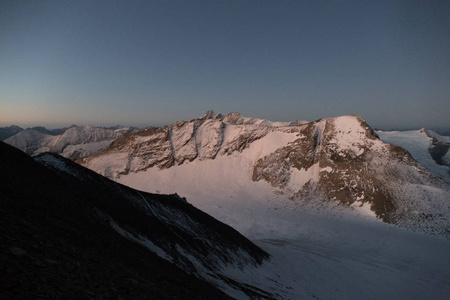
x=184, y=141
x=327, y=162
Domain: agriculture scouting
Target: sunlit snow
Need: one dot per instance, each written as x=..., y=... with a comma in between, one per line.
x=339, y=255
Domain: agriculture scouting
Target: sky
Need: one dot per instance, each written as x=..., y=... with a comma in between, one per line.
x=142, y=63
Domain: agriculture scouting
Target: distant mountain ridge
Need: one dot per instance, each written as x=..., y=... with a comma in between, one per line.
x=49, y=131
x=237, y=119
x=429, y=148
x=72, y=142
x=321, y=164
x=6, y=132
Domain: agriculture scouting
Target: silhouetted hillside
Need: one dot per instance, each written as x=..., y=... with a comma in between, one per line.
x=67, y=232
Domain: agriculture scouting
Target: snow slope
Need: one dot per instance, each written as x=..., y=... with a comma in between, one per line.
x=336, y=254
x=418, y=143
x=320, y=257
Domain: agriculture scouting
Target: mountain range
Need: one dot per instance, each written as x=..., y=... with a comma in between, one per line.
x=309, y=196
x=337, y=163
x=73, y=142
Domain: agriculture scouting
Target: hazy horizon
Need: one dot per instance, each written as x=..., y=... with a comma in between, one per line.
x=142, y=63
x=442, y=130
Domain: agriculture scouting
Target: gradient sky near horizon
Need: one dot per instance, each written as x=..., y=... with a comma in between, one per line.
x=155, y=62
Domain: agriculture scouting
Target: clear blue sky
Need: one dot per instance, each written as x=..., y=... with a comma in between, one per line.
x=156, y=62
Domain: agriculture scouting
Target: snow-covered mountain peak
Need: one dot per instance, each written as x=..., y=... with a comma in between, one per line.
x=350, y=133
x=236, y=118
x=210, y=114
x=233, y=118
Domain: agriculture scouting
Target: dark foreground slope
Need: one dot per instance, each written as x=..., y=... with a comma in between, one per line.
x=67, y=232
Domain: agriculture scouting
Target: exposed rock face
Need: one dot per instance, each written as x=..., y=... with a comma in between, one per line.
x=348, y=164
x=338, y=160
x=181, y=142
x=73, y=143
x=67, y=231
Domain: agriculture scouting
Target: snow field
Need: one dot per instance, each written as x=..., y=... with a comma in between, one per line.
x=318, y=251
x=340, y=255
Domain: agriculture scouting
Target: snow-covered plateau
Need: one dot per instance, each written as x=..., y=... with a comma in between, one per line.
x=312, y=194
